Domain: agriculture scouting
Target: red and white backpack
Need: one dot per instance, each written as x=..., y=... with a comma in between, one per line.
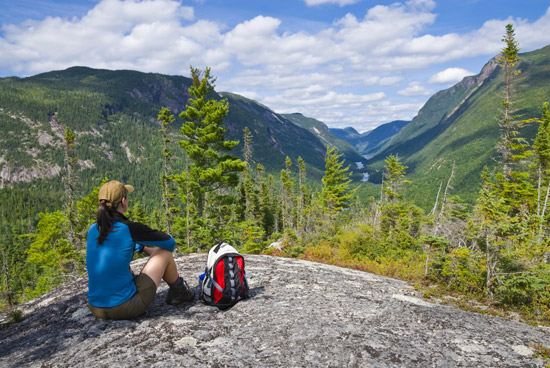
x=224, y=282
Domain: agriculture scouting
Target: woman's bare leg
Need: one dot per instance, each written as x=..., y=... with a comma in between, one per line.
x=160, y=266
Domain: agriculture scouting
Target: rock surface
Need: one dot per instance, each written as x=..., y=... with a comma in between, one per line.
x=300, y=314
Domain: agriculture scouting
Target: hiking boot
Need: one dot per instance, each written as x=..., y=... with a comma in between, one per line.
x=180, y=294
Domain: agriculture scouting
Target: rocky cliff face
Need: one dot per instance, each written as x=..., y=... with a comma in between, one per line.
x=300, y=314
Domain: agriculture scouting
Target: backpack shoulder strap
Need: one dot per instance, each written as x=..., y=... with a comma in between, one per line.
x=218, y=246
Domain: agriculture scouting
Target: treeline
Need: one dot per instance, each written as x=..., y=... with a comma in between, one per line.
x=497, y=252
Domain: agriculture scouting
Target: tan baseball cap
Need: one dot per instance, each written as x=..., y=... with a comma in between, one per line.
x=112, y=192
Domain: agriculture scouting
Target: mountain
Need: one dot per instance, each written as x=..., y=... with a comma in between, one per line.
x=370, y=142
x=459, y=126
x=325, y=135
x=348, y=134
x=114, y=117
x=274, y=137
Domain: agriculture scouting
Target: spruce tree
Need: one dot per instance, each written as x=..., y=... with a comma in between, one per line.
x=70, y=161
x=395, y=178
x=542, y=164
x=508, y=125
x=212, y=170
x=287, y=194
x=248, y=190
x=336, y=193
x=302, y=197
x=494, y=224
x=166, y=118
x=267, y=218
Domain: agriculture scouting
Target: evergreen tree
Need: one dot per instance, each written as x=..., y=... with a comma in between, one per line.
x=542, y=140
x=542, y=164
x=266, y=203
x=494, y=224
x=247, y=148
x=70, y=161
x=395, y=174
x=165, y=117
x=248, y=190
x=335, y=194
x=211, y=169
x=137, y=214
x=302, y=197
x=276, y=210
x=508, y=126
x=287, y=195
x=400, y=221
x=51, y=252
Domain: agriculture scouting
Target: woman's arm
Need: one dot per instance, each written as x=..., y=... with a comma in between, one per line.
x=148, y=250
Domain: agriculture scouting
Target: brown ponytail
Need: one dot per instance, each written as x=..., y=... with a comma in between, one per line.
x=105, y=218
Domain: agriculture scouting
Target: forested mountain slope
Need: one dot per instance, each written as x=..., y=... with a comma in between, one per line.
x=348, y=134
x=369, y=143
x=459, y=126
x=113, y=115
x=321, y=130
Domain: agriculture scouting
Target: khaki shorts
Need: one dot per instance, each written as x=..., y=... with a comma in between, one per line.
x=133, y=307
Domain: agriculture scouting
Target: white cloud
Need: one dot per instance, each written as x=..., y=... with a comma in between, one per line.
x=449, y=76
x=114, y=34
x=382, y=81
x=371, y=115
x=415, y=89
x=336, y=74
x=337, y=2
x=532, y=35
x=318, y=98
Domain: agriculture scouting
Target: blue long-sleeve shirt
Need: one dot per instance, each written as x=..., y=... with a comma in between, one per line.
x=110, y=282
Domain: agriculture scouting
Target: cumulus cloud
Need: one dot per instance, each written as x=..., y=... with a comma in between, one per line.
x=449, y=76
x=415, y=89
x=343, y=72
x=337, y=2
x=113, y=34
x=382, y=81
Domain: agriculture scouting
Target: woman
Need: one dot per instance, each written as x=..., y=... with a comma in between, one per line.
x=113, y=290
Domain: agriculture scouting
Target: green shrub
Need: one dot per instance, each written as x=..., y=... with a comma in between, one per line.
x=464, y=271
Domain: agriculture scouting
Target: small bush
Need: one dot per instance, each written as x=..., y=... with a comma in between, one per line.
x=464, y=271
x=15, y=316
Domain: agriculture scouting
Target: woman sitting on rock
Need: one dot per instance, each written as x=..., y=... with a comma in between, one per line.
x=114, y=292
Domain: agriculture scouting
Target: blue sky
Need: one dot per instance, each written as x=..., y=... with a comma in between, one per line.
x=357, y=63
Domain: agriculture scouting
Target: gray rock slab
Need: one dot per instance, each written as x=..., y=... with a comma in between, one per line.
x=300, y=314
